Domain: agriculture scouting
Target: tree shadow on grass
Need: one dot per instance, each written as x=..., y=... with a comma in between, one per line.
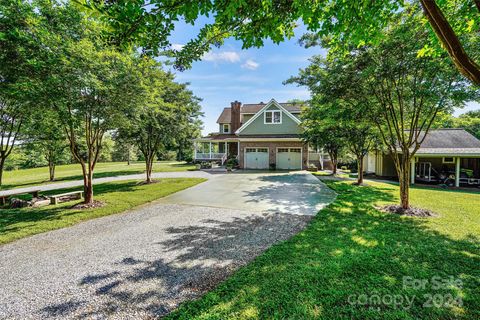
x=11, y=217
x=348, y=255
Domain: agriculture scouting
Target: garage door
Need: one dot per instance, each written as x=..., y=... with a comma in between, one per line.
x=289, y=158
x=256, y=158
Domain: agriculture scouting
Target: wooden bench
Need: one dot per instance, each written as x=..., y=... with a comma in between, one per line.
x=71, y=195
x=3, y=199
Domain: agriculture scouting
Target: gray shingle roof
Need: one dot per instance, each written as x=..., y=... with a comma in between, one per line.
x=225, y=116
x=449, y=141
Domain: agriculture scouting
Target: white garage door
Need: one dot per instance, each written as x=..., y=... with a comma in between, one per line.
x=289, y=158
x=256, y=158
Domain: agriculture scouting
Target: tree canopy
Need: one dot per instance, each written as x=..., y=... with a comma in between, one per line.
x=453, y=25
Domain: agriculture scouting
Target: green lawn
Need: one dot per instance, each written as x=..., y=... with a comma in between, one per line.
x=118, y=196
x=350, y=254
x=35, y=176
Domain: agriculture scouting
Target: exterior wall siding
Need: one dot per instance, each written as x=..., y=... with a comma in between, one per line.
x=272, y=150
x=288, y=126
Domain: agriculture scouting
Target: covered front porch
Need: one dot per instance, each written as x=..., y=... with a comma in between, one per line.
x=449, y=169
x=215, y=150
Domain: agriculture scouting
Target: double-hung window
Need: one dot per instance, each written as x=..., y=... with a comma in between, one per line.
x=225, y=128
x=274, y=117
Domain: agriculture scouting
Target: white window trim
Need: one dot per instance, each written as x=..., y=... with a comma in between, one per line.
x=223, y=127
x=450, y=162
x=272, y=111
x=260, y=112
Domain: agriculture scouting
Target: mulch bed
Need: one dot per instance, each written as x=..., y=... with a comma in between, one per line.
x=94, y=204
x=411, y=212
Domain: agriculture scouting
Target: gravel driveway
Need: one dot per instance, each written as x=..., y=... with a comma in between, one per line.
x=139, y=264
x=133, y=265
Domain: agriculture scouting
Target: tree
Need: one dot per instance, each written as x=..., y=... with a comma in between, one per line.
x=102, y=86
x=17, y=64
x=150, y=26
x=408, y=91
x=89, y=84
x=164, y=110
x=319, y=130
x=469, y=121
x=342, y=102
x=45, y=134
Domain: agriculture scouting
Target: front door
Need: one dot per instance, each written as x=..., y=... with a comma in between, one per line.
x=256, y=158
x=289, y=158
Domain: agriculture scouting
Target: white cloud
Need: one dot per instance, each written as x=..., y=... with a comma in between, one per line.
x=250, y=64
x=177, y=46
x=225, y=56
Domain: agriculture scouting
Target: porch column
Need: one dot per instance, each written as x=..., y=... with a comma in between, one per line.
x=226, y=148
x=195, y=150
x=457, y=172
x=210, y=149
x=412, y=171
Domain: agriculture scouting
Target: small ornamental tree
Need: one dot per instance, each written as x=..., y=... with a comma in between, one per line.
x=101, y=86
x=46, y=135
x=164, y=110
x=408, y=91
x=339, y=104
x=321, y=131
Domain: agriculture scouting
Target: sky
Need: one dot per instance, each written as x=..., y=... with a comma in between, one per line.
x=254, y=75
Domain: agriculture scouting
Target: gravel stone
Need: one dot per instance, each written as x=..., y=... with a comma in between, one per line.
x=137, y=265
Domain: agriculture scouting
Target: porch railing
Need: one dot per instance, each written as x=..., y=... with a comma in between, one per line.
x=213, y=156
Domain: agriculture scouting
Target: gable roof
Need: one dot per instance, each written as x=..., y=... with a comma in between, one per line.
x=449, y=141
x=225, y=116
x=260, y=113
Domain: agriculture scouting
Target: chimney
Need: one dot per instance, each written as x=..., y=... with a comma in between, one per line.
x=235, y=116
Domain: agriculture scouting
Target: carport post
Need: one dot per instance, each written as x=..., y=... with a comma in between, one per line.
x=412, y=171
x=457, y=172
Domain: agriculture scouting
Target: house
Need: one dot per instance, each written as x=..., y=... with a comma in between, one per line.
x=446, y=156
x=259, y=136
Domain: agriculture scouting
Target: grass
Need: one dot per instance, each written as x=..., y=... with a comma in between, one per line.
x=118, y=196
x=329, y=174
x=350, y=254
x=35, y=176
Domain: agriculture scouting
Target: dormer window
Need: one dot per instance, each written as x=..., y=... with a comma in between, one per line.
x=225, y=128
x=273, y=117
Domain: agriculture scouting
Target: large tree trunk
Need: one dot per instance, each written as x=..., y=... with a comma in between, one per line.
x=404, y=179
x=148, y=167
x=51, y=169
x=360, y=169
x=88, y=186
x=2, y=164
x=333, y=158
x=450, y=41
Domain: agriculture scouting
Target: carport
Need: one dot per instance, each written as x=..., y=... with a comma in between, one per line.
x=446, y=156
x=452, y=169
